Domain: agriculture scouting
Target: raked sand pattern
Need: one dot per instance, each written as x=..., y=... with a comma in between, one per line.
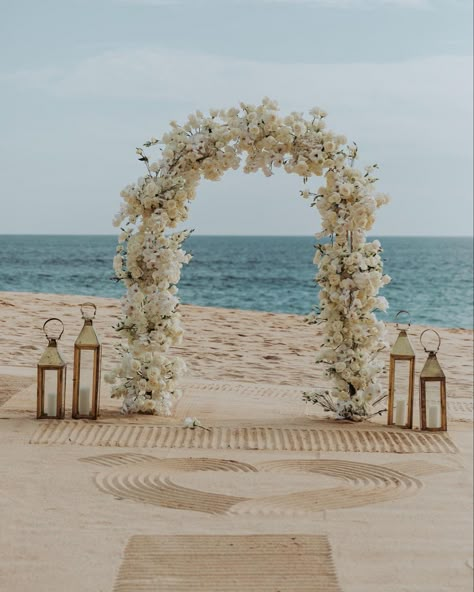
x=460, y=410
x=291, y=438
x=9, y=385
x=263, y=563
x=350, y=484
x=420, y=468
x=245, y=389
x=415, y=468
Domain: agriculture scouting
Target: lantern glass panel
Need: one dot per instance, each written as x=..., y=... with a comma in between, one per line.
x=50, y=392
x=86, y=381
x=433, y=404
x=401, y=390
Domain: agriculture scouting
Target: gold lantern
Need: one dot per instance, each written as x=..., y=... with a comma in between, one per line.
x=51, y=384
x=433, y=414
x=86, y=379
x=401, y=379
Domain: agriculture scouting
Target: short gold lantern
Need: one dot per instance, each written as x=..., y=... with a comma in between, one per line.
x=87, y=357
x=401, y=379
x=433, y=414
x=51, y=385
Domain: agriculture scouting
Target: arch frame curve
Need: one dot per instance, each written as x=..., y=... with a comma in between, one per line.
x=150, y=252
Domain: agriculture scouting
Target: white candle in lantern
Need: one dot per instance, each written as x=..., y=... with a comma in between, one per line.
x=51, y=405
x=84, y=400
x=400, y=413
x=434, y=418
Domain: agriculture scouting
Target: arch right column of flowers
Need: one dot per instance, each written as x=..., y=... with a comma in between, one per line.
x=350, y=275
x=149, y=259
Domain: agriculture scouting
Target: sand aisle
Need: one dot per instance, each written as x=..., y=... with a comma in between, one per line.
x=274, y=497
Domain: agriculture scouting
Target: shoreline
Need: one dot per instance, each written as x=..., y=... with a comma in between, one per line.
x=249, y=346
x=183, y=305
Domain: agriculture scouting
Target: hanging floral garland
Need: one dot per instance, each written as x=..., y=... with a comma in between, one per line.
x=149, y=258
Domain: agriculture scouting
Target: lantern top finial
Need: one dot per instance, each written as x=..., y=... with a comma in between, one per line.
x=87, y=337
x=402, y=347
x=53, y=329
x=88, y=311
x=408, y=323
x=431, y=369
x=428, y=350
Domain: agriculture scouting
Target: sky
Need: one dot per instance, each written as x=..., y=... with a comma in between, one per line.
x=84, y=82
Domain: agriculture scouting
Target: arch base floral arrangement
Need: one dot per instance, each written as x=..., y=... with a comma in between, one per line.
x=150, y=254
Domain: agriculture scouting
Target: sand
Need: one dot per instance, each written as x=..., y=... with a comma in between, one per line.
x=275, y=496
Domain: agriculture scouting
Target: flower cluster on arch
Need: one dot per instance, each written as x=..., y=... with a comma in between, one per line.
x=150, y=256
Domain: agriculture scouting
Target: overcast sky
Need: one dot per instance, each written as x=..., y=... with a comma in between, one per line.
x=83, y=82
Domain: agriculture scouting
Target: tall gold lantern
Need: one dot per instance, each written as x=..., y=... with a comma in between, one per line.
x=433, y=413
x=51, y=382
x=401, y=379
x=87, y=358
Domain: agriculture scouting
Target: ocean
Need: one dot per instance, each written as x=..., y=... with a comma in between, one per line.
x=431, y=277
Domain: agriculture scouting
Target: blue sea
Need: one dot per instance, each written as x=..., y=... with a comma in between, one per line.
x=431, y=277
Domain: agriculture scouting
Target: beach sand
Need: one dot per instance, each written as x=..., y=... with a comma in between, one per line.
x=274, y=496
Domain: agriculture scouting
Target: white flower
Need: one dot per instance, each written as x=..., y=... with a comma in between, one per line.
x=345, y=189
x=193, y=422
x=318, y=112
x=148, y=406
x=330, y=146
x=189, y=422
x=109, y=377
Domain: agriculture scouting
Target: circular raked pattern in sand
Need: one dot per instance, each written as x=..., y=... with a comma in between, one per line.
x=219, y=486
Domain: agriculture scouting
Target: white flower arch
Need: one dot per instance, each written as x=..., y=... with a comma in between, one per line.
x=149, y=259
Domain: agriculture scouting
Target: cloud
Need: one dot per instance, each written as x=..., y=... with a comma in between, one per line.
x=327, y=4
x=423, y=104
x=185, y=77
x=413, y=117
x=151, y=2
x=364, y=4
x=337, y=4
x=160, y=73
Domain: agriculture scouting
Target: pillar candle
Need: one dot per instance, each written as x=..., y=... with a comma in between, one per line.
x=84, y=400
x=400, y=413
x=51, y=404
x=434, y=417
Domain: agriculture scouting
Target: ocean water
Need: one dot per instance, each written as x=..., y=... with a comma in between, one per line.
x=431, y=277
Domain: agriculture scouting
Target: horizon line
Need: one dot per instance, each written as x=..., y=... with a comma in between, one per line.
x=248, y=235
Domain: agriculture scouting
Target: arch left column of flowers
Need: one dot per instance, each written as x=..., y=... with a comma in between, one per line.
x=149, y=261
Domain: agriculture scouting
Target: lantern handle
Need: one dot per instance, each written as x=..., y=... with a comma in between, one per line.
x=439, y=341
x=403, y=312
x=48, y=321
x=88, y=304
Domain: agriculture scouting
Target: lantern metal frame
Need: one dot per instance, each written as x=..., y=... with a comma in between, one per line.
x=402, y=350
x=51, y=360
x=432, y=372
x=87, y=340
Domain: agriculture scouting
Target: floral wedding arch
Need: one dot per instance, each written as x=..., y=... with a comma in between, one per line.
x=149, y=257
